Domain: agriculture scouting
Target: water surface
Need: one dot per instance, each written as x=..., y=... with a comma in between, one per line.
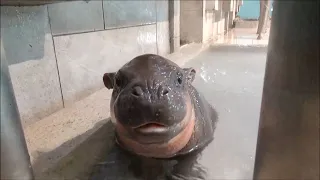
x=231, y=79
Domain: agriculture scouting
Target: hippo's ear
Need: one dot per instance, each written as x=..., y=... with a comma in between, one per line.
x=108, y=80
x=190, y=73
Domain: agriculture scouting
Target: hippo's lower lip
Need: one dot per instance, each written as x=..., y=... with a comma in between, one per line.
x=150, y=128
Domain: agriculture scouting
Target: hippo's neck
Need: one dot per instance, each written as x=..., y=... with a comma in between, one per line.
x=205, y=123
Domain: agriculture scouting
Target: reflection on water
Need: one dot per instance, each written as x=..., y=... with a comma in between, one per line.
x=122, y=165
x=206, y=76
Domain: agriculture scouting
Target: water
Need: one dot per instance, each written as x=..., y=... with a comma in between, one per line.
x=231, y=79
x=122, y=165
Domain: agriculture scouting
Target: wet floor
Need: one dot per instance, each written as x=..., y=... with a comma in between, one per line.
x=244, y=36
x=231, y=79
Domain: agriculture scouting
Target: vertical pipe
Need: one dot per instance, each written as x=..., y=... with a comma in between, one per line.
x=15, y=160
x=174, y=25
x=288, y=142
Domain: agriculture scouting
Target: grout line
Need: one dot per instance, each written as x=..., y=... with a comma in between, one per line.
x=113, y=28
x=156, y=9
x=104, y=22
x=55, y=55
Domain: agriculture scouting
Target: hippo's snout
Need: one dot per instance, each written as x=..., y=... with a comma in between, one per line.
x=159, y=92
x=150, y=102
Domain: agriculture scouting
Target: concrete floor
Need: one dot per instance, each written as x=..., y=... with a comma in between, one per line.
x=244, y=36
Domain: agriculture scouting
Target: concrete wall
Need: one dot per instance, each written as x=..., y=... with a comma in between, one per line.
x=58, y=53
x=206, y=20
x=191, y=21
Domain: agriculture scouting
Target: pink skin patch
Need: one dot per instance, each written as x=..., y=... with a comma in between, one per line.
x=163, y=150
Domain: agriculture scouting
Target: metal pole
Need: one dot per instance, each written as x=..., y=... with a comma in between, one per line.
x=15, y=160
x=288, y=143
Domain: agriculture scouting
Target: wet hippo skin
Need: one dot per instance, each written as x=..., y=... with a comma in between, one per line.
x=161, y=121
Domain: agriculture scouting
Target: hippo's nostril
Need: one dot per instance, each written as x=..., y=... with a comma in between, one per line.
x=179, y=80
x=165, y=92
x=137, y=91
x=162, y=91
x=134, y=92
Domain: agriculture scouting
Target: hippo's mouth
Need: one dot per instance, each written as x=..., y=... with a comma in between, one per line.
x=152, y=128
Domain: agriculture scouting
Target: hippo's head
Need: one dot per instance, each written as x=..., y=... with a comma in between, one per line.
x=151, y=105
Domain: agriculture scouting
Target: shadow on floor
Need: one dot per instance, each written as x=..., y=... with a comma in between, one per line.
x=79, y=162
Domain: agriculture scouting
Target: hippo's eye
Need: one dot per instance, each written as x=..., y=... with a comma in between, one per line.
x=118, y=82
x=179, y=78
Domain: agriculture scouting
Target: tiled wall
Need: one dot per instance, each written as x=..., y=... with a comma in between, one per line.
x=58, y=53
